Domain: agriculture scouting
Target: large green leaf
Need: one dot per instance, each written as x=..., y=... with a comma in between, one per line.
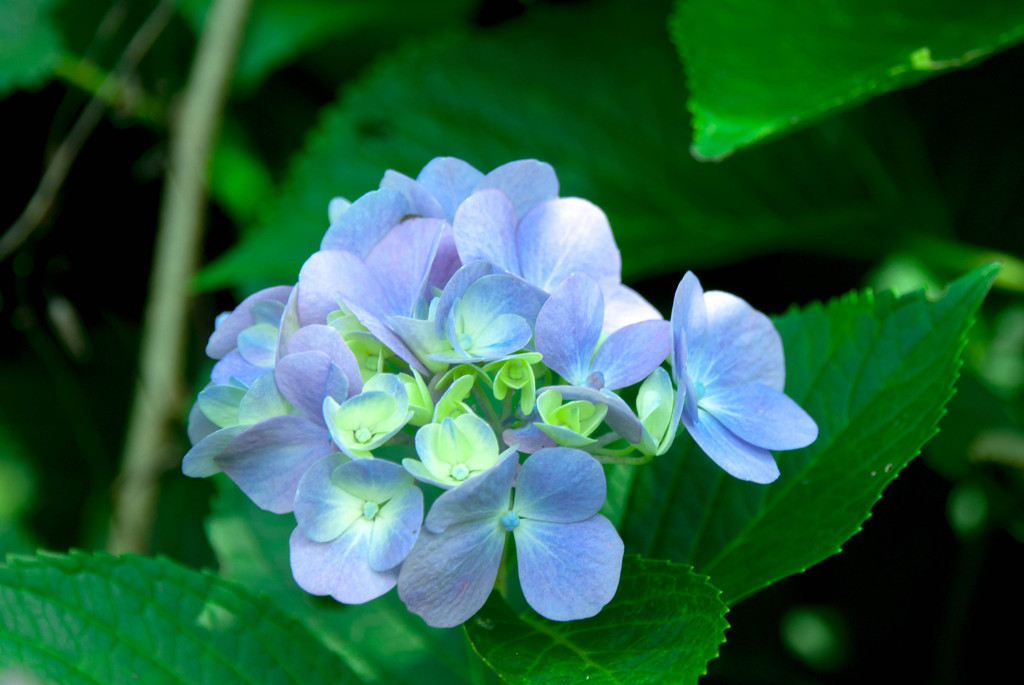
x=761, y=68
x=875, y=372
x=380, y=640
x=598, y=92
x=30, y=44
x=100, y=619
x=663, y=626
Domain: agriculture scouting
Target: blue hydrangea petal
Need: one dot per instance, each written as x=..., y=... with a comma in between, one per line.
x=446, y=263
x=569, y=327
x=559, y=237
x=302, y=380
x=219, y=403
x=689, y=313
x=500, y=337
x=485, y=229
x=267, y=460
x=395, y=528
x=568, y=571
x=258, y=344
x=526, y=181
x=623, y=306
x=327, y=340
x=484, y=497
x=497, y=294
x=371, y=480
x=199, y=461
x=632, y=353
x=198, y=425
x=267, y=312
x=735, y=456
x=762, y=416
x=450, y=181
x=233, y=366
x=741, y=346
x=559, y=485
x=460, y=281
x=225, y=337
x=323, y=510
x=332, y=276
x=447, y=577
x=363, y=224
x=404, y=258
x=421, y=202
x=339, y=568
x=528, y=438
x=262, y=401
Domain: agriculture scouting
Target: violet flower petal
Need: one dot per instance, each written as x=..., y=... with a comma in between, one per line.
x=734, y=455
x=199, y=461
x=559, y=237
x=267, y=460
x=339, y=568
x=450, y=181
x=447, y=578
x=396, y=527
x=559, y=485
x=632, y=353
x=526, y=181
x=568, y=571
x=363, y=224
x=483, y=497
x=741, y=345
x=224, y=338
x=485, y=229
x=569, y=326
x=623, y=306
x=323, y=510
x=762, y=416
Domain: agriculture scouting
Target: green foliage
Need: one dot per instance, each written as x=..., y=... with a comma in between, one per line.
x=875, y=372
x=30, y=45
x=748, y=82
x=663, y=626
x=611, y=120
x=100, y=619
x=381, y=641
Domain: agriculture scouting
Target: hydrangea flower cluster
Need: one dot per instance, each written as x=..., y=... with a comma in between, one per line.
x=449, y=325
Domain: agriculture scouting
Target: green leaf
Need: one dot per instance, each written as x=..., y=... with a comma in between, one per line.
x=100, y=619
x=380, y=640
x=598, y=93
x=279, y=31
x=875, y=372
x=759, y=69
x=663, y=626
x=30, y=45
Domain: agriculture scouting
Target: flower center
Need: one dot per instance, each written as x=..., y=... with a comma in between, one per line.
x=362, y=435
x=370, y=509
x=699, y=389
x=460, y=472
x=509, y=521
x=466, y=340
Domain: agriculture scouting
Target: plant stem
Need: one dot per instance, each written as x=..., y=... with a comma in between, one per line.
x=158, y=396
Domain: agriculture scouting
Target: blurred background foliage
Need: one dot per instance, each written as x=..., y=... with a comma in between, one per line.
x=895, y=175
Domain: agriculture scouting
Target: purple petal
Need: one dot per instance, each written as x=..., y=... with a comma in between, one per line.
x=741, y=346
x=404, y=258
x=623, y=306
x=559, y=485
x=485, y=229
x=632, y=353
x=561, y=236
x=267, y=460
x=446, y=262
x=446, y=578
x=327, y=340
x=233, y=366
x=199, y=461
x=450, y=181
x=526, y=181
x=460, y=281
x=569, y=326
x=421, y=202
x=302, y=379
x=735, y=456
x=198, y=425
x=224, y=338
x=528, y=438
x=483, y=497
x=568, y=571
x=762, y=416
x=339, y=568
x=371, y=480
x=498, y=294
x=396, y=528
x=366, y=221
x=331, y=276
x=323, y=510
